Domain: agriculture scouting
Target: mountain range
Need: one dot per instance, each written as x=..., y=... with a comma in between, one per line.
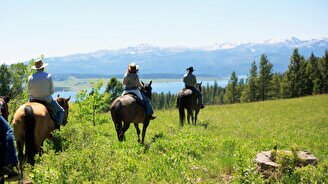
x=216, y=60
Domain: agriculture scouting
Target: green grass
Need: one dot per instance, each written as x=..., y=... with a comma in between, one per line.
x=220, y=148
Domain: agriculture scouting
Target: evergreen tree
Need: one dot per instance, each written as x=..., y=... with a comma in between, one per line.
x=231, y=95
x=312, y=71
x=5, y=80
x=114, y=87
x=323, y=67
x=296, y=76
x=252, y=83
x=265, y=77
x=275, y=86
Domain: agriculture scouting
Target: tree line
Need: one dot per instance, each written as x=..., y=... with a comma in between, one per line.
x=303, y=77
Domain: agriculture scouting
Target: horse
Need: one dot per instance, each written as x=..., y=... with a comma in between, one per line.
x=32, y=125
x=4, y=106
x=188, y=100
x=126, y=109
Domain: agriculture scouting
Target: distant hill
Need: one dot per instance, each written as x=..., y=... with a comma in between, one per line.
x=217, y=60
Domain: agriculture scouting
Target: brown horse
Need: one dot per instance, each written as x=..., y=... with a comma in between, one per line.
x=32, y=125
x=4, y=106
x=188, y=100
x=125, y=108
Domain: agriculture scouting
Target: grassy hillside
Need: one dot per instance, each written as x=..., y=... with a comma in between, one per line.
x=221, y=148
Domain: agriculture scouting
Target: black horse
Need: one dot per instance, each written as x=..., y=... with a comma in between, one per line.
x=127, y=109
x=188, y=100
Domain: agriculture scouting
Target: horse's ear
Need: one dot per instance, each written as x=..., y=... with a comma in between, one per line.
x=201, y=83
x=150, y=82
x=142, y=83
x=6, y=98
x=67, y=99
x=58, y=96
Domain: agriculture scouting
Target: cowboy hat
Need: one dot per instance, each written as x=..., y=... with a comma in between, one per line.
x=133, y=67
x=190, y=69
x=38, y=64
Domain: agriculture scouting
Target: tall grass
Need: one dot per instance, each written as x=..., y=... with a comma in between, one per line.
x=220, y=148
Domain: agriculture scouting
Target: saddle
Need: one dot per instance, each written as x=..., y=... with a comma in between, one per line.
x=138, y=100
x=51, y=111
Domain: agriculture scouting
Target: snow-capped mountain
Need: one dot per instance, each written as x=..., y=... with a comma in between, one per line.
x=218, y=59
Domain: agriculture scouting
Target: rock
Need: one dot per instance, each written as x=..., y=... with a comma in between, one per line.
x=266, y=164
x=265, y=161
x=307, y=157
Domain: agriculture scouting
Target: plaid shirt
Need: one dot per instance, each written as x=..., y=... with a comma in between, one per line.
x=189, y=79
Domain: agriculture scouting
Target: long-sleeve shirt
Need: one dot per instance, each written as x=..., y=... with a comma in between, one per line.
x=189, y=79
x=40, y=86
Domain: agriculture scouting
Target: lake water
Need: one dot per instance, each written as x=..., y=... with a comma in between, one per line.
x=165, y=87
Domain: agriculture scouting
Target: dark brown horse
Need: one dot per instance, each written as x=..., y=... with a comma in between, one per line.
x=126, y=109
x=188, y=100
x=4, y=106
x=32, y=125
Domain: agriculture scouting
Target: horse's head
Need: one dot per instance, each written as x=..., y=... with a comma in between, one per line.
x=199, y=86
x=63, y=102
x=146, y=89
x=4, y=106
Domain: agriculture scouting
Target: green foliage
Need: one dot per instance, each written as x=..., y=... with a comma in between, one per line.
x=5, y=80
x=91, y=103
x=224, y=151
x=232, y=94
x=114, y=87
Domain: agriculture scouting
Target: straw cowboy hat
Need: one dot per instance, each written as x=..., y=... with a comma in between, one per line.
x=191, y=69
x=133, y=67
x=38, y=64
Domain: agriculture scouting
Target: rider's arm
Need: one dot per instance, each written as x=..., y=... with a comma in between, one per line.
x=124, y=79
x=51, y=83
x=138, y=82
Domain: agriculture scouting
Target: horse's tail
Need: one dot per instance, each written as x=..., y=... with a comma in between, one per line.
x=29, y=121
x=178, y=101
x=116, y=112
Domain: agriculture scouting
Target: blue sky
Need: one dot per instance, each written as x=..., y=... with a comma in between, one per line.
x=61, y=27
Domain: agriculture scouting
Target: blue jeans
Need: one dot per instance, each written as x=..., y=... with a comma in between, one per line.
x=149, y=108
x=7, y=140
x=60, y=112
x=198, y=93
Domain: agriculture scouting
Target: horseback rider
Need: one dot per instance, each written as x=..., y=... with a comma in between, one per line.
x=131, y=83
x=10, y=159
x=190, y=80
x=40, y=88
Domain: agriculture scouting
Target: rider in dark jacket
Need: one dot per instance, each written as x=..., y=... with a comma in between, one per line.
x=190, y=80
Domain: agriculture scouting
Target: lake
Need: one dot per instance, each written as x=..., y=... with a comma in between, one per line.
x=165, y=87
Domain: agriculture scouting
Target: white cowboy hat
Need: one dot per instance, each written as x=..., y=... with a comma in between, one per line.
x=38, y=64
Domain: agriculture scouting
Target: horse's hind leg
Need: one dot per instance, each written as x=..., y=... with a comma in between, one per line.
x=125, y=128
x=138, y=131
x=20, y=147
x=196, y=115
x=189, y=114
x=144, y=128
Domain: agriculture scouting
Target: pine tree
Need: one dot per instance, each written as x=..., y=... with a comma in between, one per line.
x=265, y=77
x=312, y=71
x=231, y=89
x=275, y=86
x=252, y=83
x=323, y=67
x=5, y=80
x=296, y=76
